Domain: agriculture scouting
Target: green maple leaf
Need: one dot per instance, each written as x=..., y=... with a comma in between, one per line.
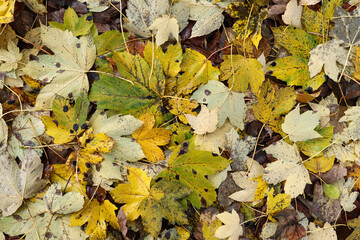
x=189, y=166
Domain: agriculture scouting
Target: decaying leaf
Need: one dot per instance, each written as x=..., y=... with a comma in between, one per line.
x=232, y=228
x=65, y=71
x=18, y=184
x=277, y=203
x=288, y=167
x=47, y=218
x=205, y=122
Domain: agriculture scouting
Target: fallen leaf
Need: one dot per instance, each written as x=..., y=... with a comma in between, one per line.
x=18, y=184
x=97, y=216
x=300, y=127
x=165, y=27
x=277, y=203
x=232, y=228
x=288, y=167
x=205, y=122
x=230, y=105
x=150, y=138
x=292, y=14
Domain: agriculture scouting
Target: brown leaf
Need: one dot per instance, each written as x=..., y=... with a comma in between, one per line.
x=289, y=227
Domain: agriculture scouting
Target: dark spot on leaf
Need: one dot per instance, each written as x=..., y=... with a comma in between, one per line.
x=78, y=45
x=45, y=80
x=89, y=18
x=213, y=64
x=273, y=64
x=78, y=170
x=204, y=99
x=86, y=175
x=309, y=89
x=158, y=179
x=71, y=131
x=102, y=113
x=17, y=217
x=185, y=144
x=97, y=167
x=88, y=140
x=58, y=65
x=177, y=177
x=206, y=190
x=33, y=57
x=87, y=165
x=84, y=126
x=58, y=192
x=270, y=72
x=203, y=201
x=42, y=214
x=194, y=172
x=11, y=101
x=74, y=163
x=65, y=108
x=56, y=122
x=70, y=95
x=149, y=97
x=167, y=235
x=207, y=92
x=48, y=235
x=60, y=71
x=177, y=60
x=176, y=142
x=214, y=154
x=76, y=126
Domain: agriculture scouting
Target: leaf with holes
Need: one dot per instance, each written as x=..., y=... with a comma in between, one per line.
x=189, y=166
x=66, y=70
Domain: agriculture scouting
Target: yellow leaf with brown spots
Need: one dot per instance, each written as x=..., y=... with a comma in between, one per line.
x=179, y=107
x=98, y=216
x=91, y=145
x=150, y=138
x=277, y=203
x=67, y=178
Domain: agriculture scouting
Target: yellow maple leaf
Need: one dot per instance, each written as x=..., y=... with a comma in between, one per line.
x=97, y=215
x=132, y=193
x=179, y=107
x=320, y=164
x=150, y=138
x=272, y=105
x=91, y=145
x=277, y=203
x=67, y=178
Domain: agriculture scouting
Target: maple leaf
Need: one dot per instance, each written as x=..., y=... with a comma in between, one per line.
x=47, y=218
x=67, y=178
x=91, y=145
x=10, y=58
x=152, y=203
x=327, y=55
x=109, y=41
x=169, y=60
x=143, y=92
x=25, y=128
x=198, y=70
x=97, y=216
x=204, y=122
x=315, y=147
x=78, y=26
x=271, y=106
x=300, y=127
x=229, y=104
x=69, y=120
x=182, y=107
x=242, y=72
x=232, y=228
x=354, y=223
x=150, y=138
x=277, y=203
x=288, y=167
x=292, y=14
x=18, y=184
x=118, y=127
x=347, y=198
x=347, y=25
x=247, y=182
x=66, y=70
x=189, y=166
x=166, y=26
x=352, y=118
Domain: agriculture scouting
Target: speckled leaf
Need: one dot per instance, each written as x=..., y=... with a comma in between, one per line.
x=188, y=167
x=347, y=25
